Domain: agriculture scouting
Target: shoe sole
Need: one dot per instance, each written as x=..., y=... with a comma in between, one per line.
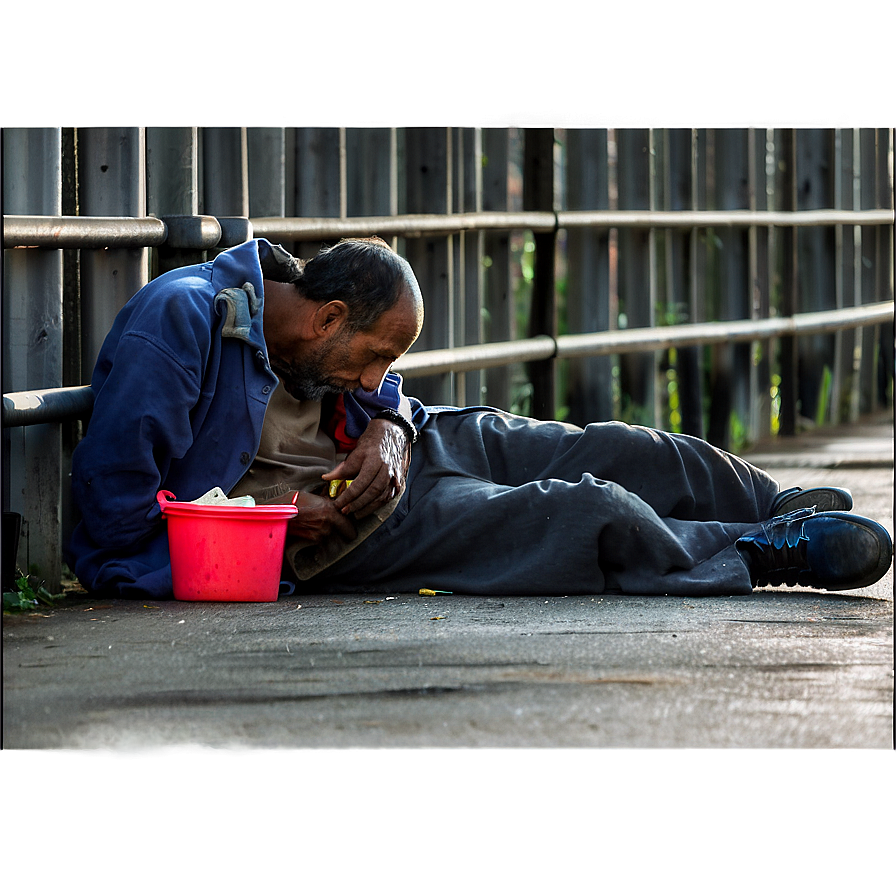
x=823, y=499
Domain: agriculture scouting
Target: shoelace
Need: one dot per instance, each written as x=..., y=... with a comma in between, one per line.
x=779, y=554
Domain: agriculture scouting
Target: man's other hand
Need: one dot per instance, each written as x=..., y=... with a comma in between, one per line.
x=317, y=519
x=378, y=465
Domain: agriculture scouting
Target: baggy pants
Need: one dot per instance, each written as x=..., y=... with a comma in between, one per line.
x=499, y=504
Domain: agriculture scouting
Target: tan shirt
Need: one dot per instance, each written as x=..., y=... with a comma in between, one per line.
x=293, y=454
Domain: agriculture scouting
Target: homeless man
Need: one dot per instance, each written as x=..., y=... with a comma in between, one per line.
x=270, y=377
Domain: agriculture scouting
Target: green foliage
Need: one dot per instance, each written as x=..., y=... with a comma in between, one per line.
x=673, y=398
x=521, y=398
x=527, y=261
x=821, y=412
x=669, y=314
x=29, y=593
x=737, y=433
x=522, y=251
x=775, y=393
x=637, y=414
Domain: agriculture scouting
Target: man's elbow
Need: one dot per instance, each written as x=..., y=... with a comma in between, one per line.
x=115, y=517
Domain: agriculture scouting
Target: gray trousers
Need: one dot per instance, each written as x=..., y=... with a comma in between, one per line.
x=499, y=504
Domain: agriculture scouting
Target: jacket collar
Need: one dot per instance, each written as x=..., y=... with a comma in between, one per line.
x=238, y=276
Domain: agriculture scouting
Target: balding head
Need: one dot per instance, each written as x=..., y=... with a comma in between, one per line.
x=365, y=274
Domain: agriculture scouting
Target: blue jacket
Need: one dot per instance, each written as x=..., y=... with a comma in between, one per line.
x=180, y=387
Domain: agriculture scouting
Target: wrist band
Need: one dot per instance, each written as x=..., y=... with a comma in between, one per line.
x=403, y=422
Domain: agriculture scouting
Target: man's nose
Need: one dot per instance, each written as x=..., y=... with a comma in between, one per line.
x=373, y=375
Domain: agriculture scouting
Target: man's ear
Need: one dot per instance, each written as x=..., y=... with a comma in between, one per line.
x=329, y=317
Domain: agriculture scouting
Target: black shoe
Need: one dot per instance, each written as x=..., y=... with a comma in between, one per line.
x=822, y=499
x=831, y=550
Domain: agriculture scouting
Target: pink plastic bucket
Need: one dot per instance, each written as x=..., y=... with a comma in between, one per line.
x=221, y=552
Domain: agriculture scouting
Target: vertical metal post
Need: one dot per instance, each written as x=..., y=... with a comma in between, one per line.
x=318, y=185
x=32, y=328
x=870, y=277
x=731, y=386
x=456, y=186
x=172, y=186
x=225, y=172
x=816, y=250
x=657, y=296
x=718, y=358
x=468, y=248
x=289, y=173
x=369, y=171
x=885, y=199
x=538, y=195
x=680, y=247
x=112, y=183
x=172, y=173
x=844, y=385
x=225, y=181
x=72, y=430
x=588, y=275
x=691, y=370
x=266, y=155
x=71, y=268
x=428, y=190
x=496, y=248
x=857, y=272
x=680, y=274
x=637, y=372
x=790, y=299
x=760, y=286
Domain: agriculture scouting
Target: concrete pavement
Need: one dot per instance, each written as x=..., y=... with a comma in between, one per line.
x=779, y=668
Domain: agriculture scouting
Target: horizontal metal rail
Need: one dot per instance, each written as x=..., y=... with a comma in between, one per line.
x=541, y=348
x=822, y=217
x=63, y=232
x=659, y=338
x=54, y=405
x=76, y=232
x=402, y=225
x=540, y=222
x=47, y=405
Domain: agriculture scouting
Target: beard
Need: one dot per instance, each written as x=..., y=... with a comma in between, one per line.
x=307, y=380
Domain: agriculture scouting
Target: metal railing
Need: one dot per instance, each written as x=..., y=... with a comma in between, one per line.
x=54, y=405
x=543, y=222
x=47, y=405
x=541, y=348
x=61, y=232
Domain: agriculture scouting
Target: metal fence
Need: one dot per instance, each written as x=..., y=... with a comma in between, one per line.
x=731, y=283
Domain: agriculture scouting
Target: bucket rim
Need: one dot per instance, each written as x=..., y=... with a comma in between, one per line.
x=172, y=507
x=268, y=511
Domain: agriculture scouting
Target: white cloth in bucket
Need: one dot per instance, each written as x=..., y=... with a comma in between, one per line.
x=217, y=496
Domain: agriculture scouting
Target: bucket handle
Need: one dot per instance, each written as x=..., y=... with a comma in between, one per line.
x=165, y=498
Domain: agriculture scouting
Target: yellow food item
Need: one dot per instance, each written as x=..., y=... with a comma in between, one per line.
x=338, y=486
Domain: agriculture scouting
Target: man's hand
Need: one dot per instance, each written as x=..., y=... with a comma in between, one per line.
x=317, y=519
x=378, y=464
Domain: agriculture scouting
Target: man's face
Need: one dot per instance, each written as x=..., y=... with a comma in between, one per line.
x=309, y=377
x=345, y=362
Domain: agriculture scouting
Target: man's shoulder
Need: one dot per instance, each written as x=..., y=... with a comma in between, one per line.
x=175, y=312
x=195, y=277
x=183, y=289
